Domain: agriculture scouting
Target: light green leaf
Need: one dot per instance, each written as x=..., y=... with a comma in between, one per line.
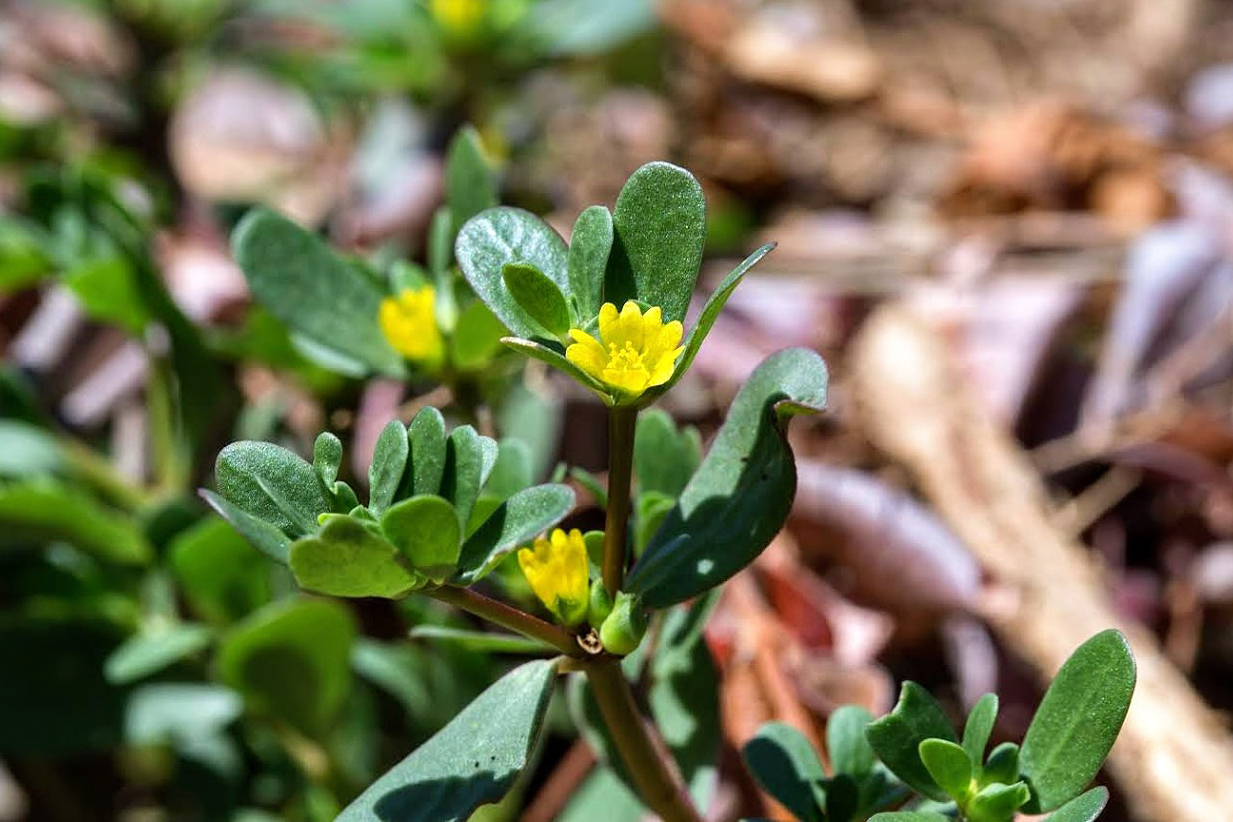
x=1083, y=808
x=42, y=510
x=664, y=457
x=1002, y=765
x=740, y=496
x=516, y=522
x=108, y=291
x=220, y=576
x=427, y=457
x=493, y=238
x=557, y=360
x=786, y=766
x=538, y=296
x=463, y=475
x=471, y=761
x=470, y=185
x=346, y=559
x=145, y=654
x=659, y=228
x=389, y=461
x=846, y=744
x=26, y=450
x=180, y=713
x=312, y=290
x=476, y=338
x=997, y=803
x=1077, y=721
x=979, y=726
x=272, y=484
x=290, y=659
x=426, y=530
x=896, y=738
x=589, y=246
x=949, y=766
x=263, y=536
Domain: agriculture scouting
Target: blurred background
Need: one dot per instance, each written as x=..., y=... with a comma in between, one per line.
x=1008, y=226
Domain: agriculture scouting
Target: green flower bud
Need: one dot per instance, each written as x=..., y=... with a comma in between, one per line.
x=600, y=605
x=623, y=629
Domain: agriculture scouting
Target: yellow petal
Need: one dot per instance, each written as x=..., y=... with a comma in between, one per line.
x=628, y=327
x=664, y=367
x=587, y=353
x=607, y=322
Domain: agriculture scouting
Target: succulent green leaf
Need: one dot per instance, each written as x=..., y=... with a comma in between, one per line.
x=949, y=766
x=476, y=338
x=512, y=471
x=910, y=816
x=263, y=536
x=589, y=246
x=516, y=522
x=497, y=236
x=997, y=803
x=471, y=761
x=659, y=228
x=1077, y=721
x=739, y=497
x=108, y=290
x=843, y=798
x=41, y=509
x=846, y=743
x=144, y=654
x=896, y=738
x=664, y=457
x=290, y=659
x=538, y=296
x=463, y=475
x=710, y=312
x=312, y=290
x=389, y=462
x=1002, y=765
x=1083, y=808
x=979, y=727
x=327, y=456
x=786, y=766
x=346, y=559
x=470, y=185
x=426, y=460
x=272, y=484
x=219, y=575
x=426, y=530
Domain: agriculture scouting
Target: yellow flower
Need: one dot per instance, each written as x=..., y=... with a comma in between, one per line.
x=458, y=16
x=410, y=325
x=559, y=575
x=634, y=352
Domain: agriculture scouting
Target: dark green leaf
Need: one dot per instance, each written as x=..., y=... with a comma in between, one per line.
x=896, y=738
x=949, y=766
x=470, y=186
x=843, y=798
x=503, y=235
x=426, y=530
x=272, y=484
x=43, y=510
x=471, y=761
x=664, y=457
x=389, y=461
x=290, y=659
x=979, y=726
x=846, y=743
x=589, y=246
x=1002, y=765
x=603, y=796
x=1083, y=808
x=650, y=510
x=659, y=227
x=263, y=536
x=145, y=654
x=300, y=280
x=787, y=768
x=518, y=520
x=740, y=496
x=538, y=296
x=1078, y=720
x=464, y=471
x=346, y=559
x=427, y=459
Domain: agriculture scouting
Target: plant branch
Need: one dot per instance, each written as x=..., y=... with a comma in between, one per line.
x=652, y=777
x=621, y=422
x=507, y=616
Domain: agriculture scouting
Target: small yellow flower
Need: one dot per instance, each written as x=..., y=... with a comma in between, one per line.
x=410, y=325
x=559, y=575
x=634, y=352
x=458, y=16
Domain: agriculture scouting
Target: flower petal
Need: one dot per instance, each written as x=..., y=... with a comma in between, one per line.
x=629, y=327
x=587, y=353
x=607, y=322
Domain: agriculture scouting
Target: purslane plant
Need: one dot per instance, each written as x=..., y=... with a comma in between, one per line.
x=608, y=310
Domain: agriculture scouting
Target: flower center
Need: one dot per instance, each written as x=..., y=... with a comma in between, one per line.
x=627, y=358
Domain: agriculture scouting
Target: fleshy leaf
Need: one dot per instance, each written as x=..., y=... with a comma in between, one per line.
x=949, y=766
x=740, y=496
x=470, y=185
x=313, y=291
x=1083, y=808
x=327, y=456
x=1002, y=765
x=787, y=768
x=497, y=236
x=346, y=559
x=997, y=803
x=538, y=296
x=589, y=246
x=471, y=761
x=664, y=457
x=42, y=510
x=426, y=462
x=910, y=816
x=659, y=228
x=263, y=536
x=476, y=337
x=846, y=743
x=272, y=484
x=896, y=738
x=425, y=530
x=515, y=522
x=979, y=726
x=389, y=461
x=463, y=475
x=1077, y=721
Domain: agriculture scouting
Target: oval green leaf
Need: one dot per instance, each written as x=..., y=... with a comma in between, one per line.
x=515, y=522
x=348, y=560
x=949, y=766
x=389, y=462
x=896, y=738
x=786, y=766
x=589, y=246
x=272, y=484
x=538, y=296
x=426, y=531
x=979, y=727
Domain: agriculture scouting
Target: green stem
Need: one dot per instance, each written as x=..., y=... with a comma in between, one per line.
x=170, y=461
x=507, y=617
x=650, y=774
x=621, y=422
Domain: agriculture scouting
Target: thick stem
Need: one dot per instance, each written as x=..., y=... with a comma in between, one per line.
x=621, y=423
x=507, y=617
x=651, y=775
